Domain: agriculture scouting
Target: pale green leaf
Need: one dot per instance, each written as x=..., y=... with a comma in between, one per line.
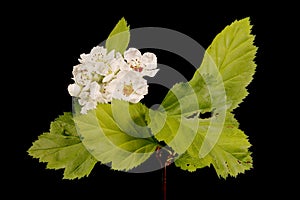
x=63, y=125
x=191, y=164
x=181, y=100
x=117, y=143
x=176, y=131
x=62, y=148
x=229, y=156
x=180, y=111
x=118, y=39
x=231, y=56
x=130, y=118
x=228, y=153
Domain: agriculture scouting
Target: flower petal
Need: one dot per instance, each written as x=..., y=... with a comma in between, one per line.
x=135, y=98
x=94, y=90
x=150, y=73
x=150, y=60
x=132, y=54
x=74, y=90
x=110, y=55
x=118, y=64
x=142, y=90
x=108, y=78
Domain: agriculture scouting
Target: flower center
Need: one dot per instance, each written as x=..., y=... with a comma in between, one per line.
x=136, y=68
x=127, y=90
x=103, y=90
x=136, y=65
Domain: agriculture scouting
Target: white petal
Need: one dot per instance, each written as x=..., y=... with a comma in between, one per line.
x=132, y=54
x=142, y=90
x=91, y=105
x=150, y=73
x=98, y=50
x=139, y=81
x=110, y=55
x=119, y=95
x=76, y=69
x=86, y=86
x=123, y=75
x=84, y=58
x=150, y=60
x=84, y=95
x=112, y=87
x=135, y=98
x=120, y=64
x=106, y=98
x=83, y=110
x=82, y=102
x=100, y=68
x=97, y=53
x=118, y=55
x=88, y=106
x=94, y=90
x=74, y=90
x=108, y=78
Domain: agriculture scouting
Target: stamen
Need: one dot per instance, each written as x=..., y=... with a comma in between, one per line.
x=127, y=90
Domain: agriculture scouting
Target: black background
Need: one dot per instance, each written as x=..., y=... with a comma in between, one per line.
x=46, y=42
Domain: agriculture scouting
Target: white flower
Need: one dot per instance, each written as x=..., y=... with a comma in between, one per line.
x=101, y=76
x=128, y=86
x=145, y=64
x=83, y=74
x=97, y=55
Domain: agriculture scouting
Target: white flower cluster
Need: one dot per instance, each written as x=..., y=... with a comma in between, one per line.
x=102, y=76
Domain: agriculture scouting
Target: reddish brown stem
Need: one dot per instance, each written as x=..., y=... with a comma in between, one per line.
x=167, y=162
x=165, y=182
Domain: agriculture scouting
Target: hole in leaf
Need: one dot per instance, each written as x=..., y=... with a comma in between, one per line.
x=205, y=115
x=226, y=164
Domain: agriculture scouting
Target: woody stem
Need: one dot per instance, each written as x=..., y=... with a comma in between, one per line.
x=165, y=182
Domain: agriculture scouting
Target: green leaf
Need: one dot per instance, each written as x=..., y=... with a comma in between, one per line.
x=230, y=55
x=177, y=132
x=180, y=110
x=229, y=156
x=119, y=38
x=181, y=100
x=228, y=152
x=118, y=144
x=63, y=125
x=62, y=148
